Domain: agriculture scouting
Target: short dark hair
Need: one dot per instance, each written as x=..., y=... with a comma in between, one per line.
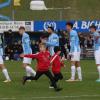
x=93, y=26
x=52, y=28
x=56, y=49
x=70, y=24
x=22, y=27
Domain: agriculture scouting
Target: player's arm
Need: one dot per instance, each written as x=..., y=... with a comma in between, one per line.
x=29, y=55
x=53, y=58
x=54, y=40
x=62, y=62
x=97, y=36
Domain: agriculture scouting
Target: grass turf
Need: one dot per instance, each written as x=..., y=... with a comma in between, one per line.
x=88, y=89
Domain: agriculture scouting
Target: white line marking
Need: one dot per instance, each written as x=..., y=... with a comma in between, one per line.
x=52, y=97
x=7, y=98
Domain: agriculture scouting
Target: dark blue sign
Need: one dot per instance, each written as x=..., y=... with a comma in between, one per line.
x=43, y=25
x=80, y=26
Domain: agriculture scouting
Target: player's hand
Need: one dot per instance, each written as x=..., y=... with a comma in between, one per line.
x=21, y=55
x=69, y=56
x=63, y=59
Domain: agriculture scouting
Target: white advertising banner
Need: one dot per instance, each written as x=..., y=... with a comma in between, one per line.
x=14, y=25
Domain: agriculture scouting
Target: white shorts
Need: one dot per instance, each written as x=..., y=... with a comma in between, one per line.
x=27, y=60
x=1, y=60
x=75, y=56
x=97, y=56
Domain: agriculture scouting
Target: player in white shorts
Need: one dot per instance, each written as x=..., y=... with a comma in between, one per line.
x=96, y=37
x=2, y=66
x=26, y=50
x=74, y=53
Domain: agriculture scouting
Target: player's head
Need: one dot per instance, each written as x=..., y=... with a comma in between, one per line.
x=42, y=47
x=50, y=29
x=93, y=28
x=69, y=26
x=21, y=30
x=57, y=50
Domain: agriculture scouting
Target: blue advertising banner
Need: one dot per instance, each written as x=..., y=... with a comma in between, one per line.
x=80, y=26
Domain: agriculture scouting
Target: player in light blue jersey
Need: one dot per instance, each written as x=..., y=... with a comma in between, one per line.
x=2, y=66
x=96, y=37
x=74, y=52
x=52, y=41
x=26, y=44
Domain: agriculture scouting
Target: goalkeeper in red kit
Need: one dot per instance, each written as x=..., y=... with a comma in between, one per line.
x=43, y=65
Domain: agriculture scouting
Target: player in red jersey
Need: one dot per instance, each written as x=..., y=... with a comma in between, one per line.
x=57, y=63
x=43, y=65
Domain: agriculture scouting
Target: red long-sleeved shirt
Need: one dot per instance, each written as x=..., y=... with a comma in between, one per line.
x=56, y=63
x=43, y=60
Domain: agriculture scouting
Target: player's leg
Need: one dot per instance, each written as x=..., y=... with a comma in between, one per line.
x=97, y=59
x=50, y=76
x=98, y=68
x=26, y=65
x=36, y=77
x=4, y=70
x=73, y=70
x=58, y=77
x=79, y=71
x=78, y=66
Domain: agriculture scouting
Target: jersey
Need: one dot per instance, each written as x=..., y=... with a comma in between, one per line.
x=96, y=40
x=26, y=44
x=56, y=64
x=1, y=47
x=43, y=60
x=52, y=41
x=74, y=42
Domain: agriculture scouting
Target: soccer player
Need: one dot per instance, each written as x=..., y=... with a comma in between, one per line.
x=96, y=37
x=74, y=52
x=26, y=50
x=43, y=65
x=57, y=63
x=2, y=66
x=53, y=40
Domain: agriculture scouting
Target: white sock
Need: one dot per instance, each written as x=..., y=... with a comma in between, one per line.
x=99, y=71
x=79, y=73
x=73, y=70
x=5, y=72
x=30, y=71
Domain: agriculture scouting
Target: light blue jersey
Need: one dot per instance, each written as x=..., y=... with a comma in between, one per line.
x=26, y=44
x=1, y=47
x=74, y=42
x=1, y=51
x=52, y=41
x=96, y=41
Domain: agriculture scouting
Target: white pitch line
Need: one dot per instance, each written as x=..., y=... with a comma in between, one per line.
x=61, y=97
x=7, y=98
x=52, y=97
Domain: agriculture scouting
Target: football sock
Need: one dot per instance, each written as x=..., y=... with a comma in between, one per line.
x=5, y=72
x=99, y=71
x=73, y=70
x=79, y=73
x=30, y=71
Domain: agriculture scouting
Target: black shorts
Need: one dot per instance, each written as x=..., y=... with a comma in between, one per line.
x=58, y=76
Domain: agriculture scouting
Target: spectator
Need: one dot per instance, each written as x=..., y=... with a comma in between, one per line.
x=62, y=43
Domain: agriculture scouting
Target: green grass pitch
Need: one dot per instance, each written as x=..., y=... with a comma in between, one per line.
x=88, y=89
